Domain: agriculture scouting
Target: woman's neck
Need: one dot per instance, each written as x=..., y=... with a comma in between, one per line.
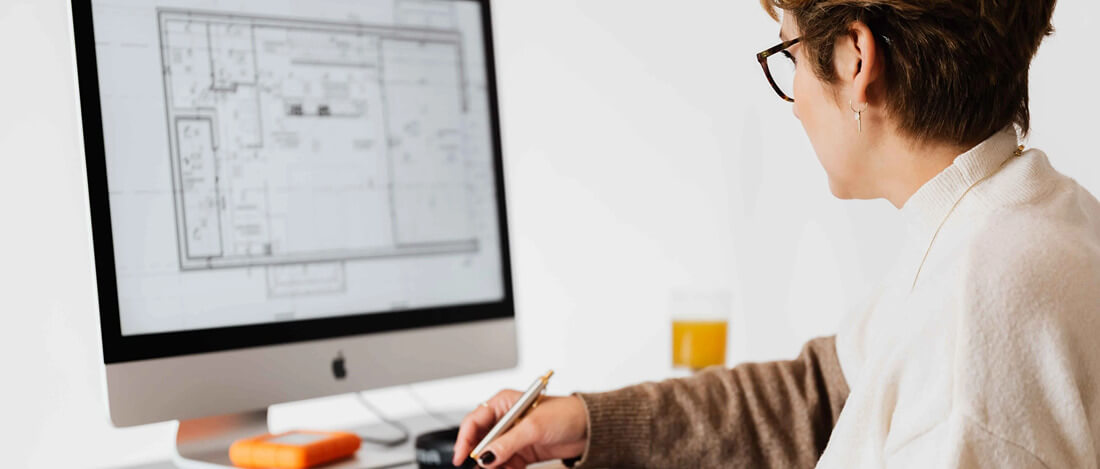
x=909, y=164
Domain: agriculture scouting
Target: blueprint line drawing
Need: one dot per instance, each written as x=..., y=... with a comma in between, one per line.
x=298, y=141
x=306, y=279
x=426, y=13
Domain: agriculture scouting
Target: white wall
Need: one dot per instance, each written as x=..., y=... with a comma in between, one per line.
x=645, y=153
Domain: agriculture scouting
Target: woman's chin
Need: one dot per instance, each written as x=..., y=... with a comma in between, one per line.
x=839, y=190
x=847, y=191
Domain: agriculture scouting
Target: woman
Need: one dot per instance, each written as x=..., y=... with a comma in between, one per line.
x=980, y=348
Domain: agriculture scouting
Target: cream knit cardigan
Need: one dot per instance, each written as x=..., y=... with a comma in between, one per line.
x=982, y=348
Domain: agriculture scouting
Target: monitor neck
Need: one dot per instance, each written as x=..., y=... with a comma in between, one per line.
x=205, y=442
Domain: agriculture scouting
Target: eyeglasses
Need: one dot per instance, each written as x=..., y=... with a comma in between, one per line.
x=779, y=65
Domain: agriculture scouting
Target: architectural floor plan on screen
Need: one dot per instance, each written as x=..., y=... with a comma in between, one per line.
x=312, y=143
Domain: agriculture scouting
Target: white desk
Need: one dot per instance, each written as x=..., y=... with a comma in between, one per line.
x=169, y=465
x=370, y=456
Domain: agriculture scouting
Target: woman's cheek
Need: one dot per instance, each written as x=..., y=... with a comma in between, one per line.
x=797, y=103
x=801, y=96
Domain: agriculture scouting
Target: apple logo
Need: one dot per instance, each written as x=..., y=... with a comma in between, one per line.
x=338, y=369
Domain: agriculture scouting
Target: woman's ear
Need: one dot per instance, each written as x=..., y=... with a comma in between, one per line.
x=857, y=61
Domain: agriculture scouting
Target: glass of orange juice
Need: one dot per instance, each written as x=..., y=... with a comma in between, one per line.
x=700, y=326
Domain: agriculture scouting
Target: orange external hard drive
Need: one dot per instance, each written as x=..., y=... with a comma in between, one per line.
x=293, y=450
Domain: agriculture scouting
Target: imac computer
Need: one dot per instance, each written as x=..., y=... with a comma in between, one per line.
x=290, y=199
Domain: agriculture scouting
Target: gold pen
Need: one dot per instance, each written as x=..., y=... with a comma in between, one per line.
x=526, y=402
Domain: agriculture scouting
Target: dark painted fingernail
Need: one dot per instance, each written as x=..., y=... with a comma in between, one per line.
x=487, y=458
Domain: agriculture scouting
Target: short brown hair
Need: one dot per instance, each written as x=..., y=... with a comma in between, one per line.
x=955, y=70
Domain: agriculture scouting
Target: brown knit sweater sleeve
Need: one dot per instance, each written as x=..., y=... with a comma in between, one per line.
x=757, y=415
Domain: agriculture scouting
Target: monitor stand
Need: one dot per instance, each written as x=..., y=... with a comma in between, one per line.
x=204, y=443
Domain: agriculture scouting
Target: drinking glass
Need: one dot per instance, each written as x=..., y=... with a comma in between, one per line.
x=700, y=327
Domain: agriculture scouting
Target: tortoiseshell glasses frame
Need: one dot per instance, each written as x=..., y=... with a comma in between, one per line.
x=762, y=57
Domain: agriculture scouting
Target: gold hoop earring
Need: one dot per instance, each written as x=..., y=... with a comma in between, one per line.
x=859, y=114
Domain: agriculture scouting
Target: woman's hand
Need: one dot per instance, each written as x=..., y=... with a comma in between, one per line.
x=555, y=429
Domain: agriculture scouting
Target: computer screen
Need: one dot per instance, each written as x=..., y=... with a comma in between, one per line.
x=279, y=161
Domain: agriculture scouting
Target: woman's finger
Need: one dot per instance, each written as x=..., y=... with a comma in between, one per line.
x=520, y=437
x=478, y=422
x=518, y=461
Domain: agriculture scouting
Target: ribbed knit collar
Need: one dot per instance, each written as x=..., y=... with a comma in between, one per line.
x=927, y=208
